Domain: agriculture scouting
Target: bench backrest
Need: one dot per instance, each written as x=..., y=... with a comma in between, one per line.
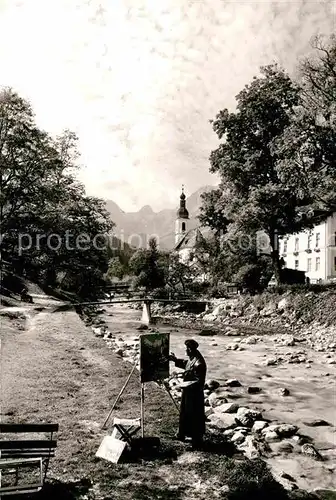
x=14, y=448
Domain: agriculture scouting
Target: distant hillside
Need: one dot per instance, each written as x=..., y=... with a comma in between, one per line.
x=136, y=228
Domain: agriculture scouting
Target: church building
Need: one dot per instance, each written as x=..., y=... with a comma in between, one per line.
x=186, y=238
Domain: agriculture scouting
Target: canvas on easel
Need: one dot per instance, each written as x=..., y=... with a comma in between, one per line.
x=154, y=357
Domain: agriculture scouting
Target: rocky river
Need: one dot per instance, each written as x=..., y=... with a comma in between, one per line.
x=271, y=395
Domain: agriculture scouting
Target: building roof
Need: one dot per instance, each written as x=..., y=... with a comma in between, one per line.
x=192, y=237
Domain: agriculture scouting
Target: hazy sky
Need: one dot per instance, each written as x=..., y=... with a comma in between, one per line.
x=139, y=80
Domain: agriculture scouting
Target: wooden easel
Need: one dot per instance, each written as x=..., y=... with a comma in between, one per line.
x=118, y=397
x=142, y=402
x=142, y=399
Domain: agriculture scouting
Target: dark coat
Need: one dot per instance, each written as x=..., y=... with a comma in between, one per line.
x=192, y=416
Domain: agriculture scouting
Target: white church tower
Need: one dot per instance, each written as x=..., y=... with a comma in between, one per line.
x=181, y=220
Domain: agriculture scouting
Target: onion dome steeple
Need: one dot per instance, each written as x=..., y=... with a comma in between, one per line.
x=182, y=212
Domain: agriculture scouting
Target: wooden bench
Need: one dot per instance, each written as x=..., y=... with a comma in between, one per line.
x=17, y=454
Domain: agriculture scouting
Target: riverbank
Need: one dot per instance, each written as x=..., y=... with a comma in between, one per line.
x=280, y=377
x=290, y=310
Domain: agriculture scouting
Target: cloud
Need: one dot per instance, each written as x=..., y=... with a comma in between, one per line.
x=139, y=80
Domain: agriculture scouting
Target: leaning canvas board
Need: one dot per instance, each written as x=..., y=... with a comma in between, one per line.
x=154, y=357
x=111, y=449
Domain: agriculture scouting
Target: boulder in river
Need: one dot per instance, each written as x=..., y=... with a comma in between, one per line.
x=253, y=390
x=207, y=333
x=317, y=423
x=211, y=384
x=233, y=383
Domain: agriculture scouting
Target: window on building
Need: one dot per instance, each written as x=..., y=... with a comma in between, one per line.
x=183, y=226
x=310, y=237
x=335, y=239
x=317, y=241
x=309, y=265
x=296, y=264
x=285, y=246
x=334, y=263
x=296, y=247
x=317, y=264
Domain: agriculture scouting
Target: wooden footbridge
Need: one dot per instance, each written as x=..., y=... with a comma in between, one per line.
x=147, y=302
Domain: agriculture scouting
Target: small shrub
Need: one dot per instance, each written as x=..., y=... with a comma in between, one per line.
x=218, y=291
x=198, y=288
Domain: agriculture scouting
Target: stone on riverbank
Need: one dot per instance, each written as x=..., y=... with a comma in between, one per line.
x=250, y=447
x=283, y=430
x=227, y=408
x=216, y=399
x=222, y=420
x=259, y=425
x=211, y=384
x=247, y=417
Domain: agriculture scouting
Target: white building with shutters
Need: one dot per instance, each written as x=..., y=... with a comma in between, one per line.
x=312, y=251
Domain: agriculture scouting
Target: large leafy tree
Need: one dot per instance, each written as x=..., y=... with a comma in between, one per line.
x=242, y=260
x=213, y=213
x=254, y=194
x=44, y=212
x=319, y=80
x=307, y=149
x=119, y=253
x=148, y=265
x=179, y=275
x=208, y=258
x=115, y=268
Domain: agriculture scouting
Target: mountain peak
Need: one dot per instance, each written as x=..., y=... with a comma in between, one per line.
x=147, y=210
